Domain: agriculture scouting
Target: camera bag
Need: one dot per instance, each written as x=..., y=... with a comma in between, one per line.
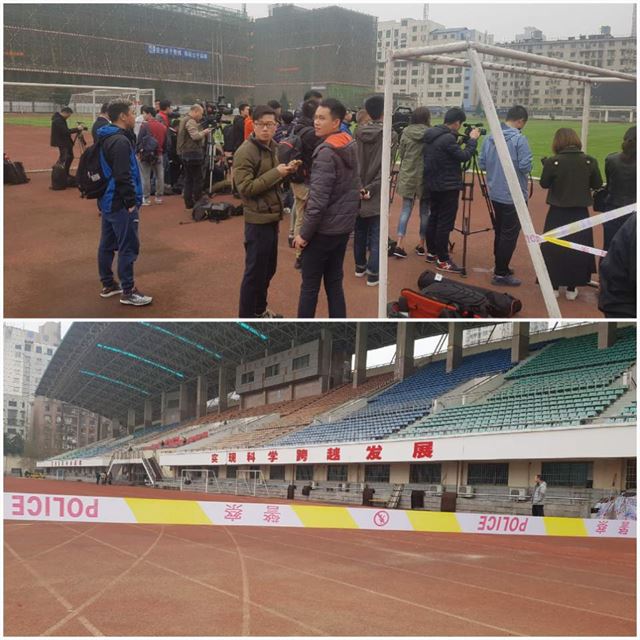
x=468, y=300
x=14, y=172
x=58, y=177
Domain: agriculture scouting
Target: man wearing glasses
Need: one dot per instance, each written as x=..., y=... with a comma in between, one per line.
x=257, y=178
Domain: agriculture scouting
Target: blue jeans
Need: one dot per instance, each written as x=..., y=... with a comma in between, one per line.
x=119, y=233
x=367, y=237
x=405, y=214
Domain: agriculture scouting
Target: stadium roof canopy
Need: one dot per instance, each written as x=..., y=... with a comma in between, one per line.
x=110, y=367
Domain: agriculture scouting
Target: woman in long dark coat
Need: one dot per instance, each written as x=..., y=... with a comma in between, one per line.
x=570, y=176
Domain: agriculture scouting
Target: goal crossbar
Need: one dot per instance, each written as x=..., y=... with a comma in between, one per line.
x=435, y=54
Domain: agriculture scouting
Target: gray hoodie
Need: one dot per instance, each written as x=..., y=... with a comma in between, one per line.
x=369, y=146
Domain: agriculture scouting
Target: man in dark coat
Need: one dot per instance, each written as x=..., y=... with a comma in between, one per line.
x=61, y=137
x=330, y=214
x=618, y=274
x=443, y=157
x=101, y=120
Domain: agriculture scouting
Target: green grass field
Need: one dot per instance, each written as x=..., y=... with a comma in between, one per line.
x=604, y=138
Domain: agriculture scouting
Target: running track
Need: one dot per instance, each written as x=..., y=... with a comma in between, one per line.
x=130, y=580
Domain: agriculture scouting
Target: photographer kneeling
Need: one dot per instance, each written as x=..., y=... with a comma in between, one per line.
x=191, y=141
x=443, y=182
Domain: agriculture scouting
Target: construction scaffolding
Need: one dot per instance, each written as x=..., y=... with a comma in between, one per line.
x=438, y=54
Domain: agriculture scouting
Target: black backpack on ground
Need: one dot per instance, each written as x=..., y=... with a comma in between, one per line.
x=91, y=180
x=204, y=209
x=14, y=172
x=467, y=299
x=58, y=177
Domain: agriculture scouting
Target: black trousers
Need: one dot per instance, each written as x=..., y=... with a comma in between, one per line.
x=537, y=510
x=444, y=207
x=192, y=182
x=65, y=158
x=261, y=260
x=322, y=259
x=506, y=238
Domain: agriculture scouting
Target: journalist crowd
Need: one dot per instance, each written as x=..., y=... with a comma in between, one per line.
x=321, y=167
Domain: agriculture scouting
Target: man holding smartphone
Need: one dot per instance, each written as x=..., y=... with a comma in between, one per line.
x=257, y=177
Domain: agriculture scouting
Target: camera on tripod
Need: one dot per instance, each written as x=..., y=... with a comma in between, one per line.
x=214, y=111
x=465, y=135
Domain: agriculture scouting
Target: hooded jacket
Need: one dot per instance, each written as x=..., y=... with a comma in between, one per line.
x=124, y=189
x=411, y=173
x=60, y=132
x=304, y=129
x=443, y=158
x=570, y=176
x=369, y=144
x=618, y=274
x=334, y=189
x=258, y=180
x=521, y=157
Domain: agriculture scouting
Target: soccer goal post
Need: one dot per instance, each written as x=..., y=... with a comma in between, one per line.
x=200, y=480
x=85, y=100
x=438, y=54
x=248, y=481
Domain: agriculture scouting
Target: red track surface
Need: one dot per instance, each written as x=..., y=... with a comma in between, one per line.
x=127, y=580
x=195, y=270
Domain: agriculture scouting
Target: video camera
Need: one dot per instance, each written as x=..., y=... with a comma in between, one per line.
x=469, y=127
x=400, y=119
x=214, y=111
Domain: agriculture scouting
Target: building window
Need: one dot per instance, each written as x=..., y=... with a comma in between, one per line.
x=301, y=362
x=337, y=473
x=13, y=403
x=246, y=378
x=304, y=472
x=376, y=472
x=568, y=474
x=488, y=473
x=630, y=480
x=27, y=347
x=271, y=371
x=425, y=473
x=49, y=352
x=276, y=472
x=232, y=473
x=18, y=347
x=38, y=349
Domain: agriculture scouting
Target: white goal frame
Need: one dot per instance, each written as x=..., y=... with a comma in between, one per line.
x=199, y=480
x=251, y=479
x=94, y=90
x=437, y=54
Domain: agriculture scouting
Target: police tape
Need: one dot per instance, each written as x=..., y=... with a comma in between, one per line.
x=554, y=236
x=63, y=508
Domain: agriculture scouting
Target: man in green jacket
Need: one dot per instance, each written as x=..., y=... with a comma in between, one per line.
x=257, y=178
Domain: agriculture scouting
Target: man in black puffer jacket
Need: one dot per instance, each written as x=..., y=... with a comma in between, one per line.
x=443, y=157
x=330, y=214
x=618, y=274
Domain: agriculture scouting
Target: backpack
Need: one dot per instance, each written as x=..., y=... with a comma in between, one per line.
x=91, y=178
x=290, y=148
x=58, y=177
x=14, y=172
x=228, y=136
x=149, y=149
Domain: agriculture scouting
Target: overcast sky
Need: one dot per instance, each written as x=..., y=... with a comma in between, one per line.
x=502, y=19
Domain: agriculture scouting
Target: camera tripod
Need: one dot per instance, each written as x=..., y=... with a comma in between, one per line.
x=79, y=139
x=469, y=182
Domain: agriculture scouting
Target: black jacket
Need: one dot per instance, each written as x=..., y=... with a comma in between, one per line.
x=238, y=132
x=304, y=129
x=618, y=274
x=100, y=122
x=443, y=157
x=570, y=177
x=334, y=189
x=621, y=180
x=60, y=132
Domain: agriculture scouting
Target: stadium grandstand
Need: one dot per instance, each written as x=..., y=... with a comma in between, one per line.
x=296, y=409
x=184, y=51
